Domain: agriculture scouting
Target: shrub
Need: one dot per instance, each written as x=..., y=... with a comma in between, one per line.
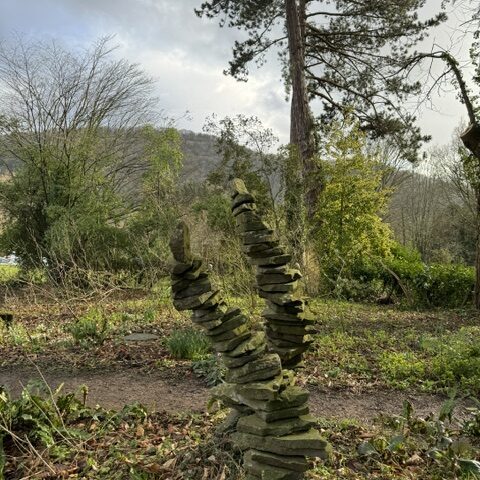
x=188, y=344
x=406, y=276
x=445, y=285
x=210, y=369
x=92, y=328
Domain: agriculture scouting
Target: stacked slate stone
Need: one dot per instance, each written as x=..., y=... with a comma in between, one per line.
x=287, y=317
x=272, y=422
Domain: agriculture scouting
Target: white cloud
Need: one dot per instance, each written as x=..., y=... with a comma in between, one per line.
x=187, y=56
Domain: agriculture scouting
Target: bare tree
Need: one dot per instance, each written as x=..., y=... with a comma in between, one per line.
x=68, y=122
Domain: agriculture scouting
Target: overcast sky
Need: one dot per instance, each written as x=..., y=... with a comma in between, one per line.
x=186, y=56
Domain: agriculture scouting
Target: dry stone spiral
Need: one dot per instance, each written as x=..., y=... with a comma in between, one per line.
x=287, y=316
x=272, y=422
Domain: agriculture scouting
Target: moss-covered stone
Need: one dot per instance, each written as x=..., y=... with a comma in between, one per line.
x=276, y=260
x=269, y=472
x=196, y=287
x=263, y=368
x=304, y=317
x=234, y=362
x=180, y=244
x=273, y=278
x=190, y=303
x=252, y=343
x=229, y=334
x=237, y=186
x=250, y=221
x=309, y=443
x=244, y=207
x=228, y=325
x=259, y=236
x=279, y=287
x=295, y=463
x=284, y=413
x=255, y=425
x=229, y=345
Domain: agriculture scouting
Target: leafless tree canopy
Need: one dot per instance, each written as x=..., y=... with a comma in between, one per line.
x=54, y=100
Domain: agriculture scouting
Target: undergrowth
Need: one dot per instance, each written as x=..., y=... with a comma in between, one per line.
x=188, y=344
x=54, y=435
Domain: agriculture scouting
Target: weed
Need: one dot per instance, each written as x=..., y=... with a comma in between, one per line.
x=92, y=328
x=401, y=369
x=211, y=369
x=8, y=274
x=188, y=344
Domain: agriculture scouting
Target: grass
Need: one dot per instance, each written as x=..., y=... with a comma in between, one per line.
x=8, y=273
x=188, y=344
x=358, y=344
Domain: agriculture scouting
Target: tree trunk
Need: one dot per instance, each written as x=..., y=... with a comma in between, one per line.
x=471, y=139
x=301, y=123
x=477, y=252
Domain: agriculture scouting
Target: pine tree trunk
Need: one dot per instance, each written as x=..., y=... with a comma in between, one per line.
x=302, y=191
x=301, y=122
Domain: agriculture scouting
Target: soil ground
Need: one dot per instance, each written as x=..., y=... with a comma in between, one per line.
x=163, y=392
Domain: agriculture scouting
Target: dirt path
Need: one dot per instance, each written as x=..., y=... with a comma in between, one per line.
x=115, y=389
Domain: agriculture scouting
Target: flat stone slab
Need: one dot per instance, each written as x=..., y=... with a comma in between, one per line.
x=309, y=444
x=141, y=337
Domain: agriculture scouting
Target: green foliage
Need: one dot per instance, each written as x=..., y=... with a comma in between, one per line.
x=65, y=202
x=471, y=425
x=445, y=285
x=455, y=359
x=8, y=274
x=435, y=285
x=430, y=439
x=211, y=369
x=350, y=228
x=90, y=329
x=39, y=416
x=406, y=277
x=443, y=362
x=216, y=206
x=188, y=344
x=401, y=369
x=245, y=147
x=150, y=227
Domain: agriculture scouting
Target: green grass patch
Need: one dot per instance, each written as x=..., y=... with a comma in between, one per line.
x=91, y=328
x=434, y=350
x=188, y=344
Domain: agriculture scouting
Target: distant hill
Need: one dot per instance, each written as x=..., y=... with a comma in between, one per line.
x=200, y=155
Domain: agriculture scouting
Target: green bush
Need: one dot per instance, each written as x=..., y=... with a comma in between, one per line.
x=404, y=275
x=210, y=369
x=188, y=344
x=92, y=328
x=445, y=285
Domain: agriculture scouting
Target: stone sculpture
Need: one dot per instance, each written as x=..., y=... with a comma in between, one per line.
x=287, y=317
x=270, y=413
